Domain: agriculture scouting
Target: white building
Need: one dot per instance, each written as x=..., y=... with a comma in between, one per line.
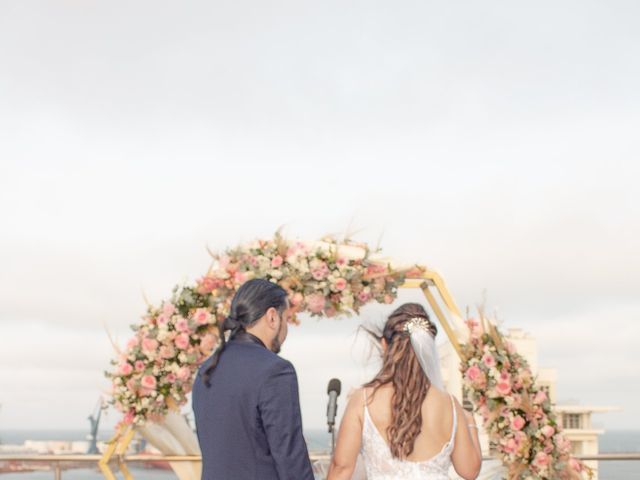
x=575, y=419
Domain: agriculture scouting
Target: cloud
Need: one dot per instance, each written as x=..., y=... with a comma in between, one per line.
x=509, y=166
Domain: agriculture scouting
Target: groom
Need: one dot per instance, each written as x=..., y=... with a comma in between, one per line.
x=245, y=397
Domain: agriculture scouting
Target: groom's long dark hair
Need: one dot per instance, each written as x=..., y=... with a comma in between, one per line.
x=249, y=304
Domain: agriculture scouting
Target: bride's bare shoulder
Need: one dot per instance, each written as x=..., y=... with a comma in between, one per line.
x=356, y=395
x=438, y=393
x=440, y=397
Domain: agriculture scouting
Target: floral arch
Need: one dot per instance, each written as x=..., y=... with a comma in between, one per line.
x=152, y=376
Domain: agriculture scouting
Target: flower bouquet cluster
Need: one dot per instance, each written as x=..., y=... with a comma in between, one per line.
x=516, y=413
x=323, y=278
x=155, y=371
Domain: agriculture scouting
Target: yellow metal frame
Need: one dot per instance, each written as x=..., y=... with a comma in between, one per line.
x=427, y=281
x=117, y=446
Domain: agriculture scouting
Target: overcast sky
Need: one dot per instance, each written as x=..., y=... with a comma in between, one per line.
x=494, y=141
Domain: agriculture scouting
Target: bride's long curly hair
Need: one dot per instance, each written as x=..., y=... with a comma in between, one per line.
x=400, y=367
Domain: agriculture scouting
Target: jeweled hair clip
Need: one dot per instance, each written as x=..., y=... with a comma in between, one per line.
x=418, y=322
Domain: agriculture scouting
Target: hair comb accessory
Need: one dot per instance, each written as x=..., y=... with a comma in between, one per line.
x=418, y=322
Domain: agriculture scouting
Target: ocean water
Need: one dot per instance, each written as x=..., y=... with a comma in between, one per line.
x=317, y=440
x=619, y=441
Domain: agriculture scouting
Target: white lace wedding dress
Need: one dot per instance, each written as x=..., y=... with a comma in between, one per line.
x=380, y=464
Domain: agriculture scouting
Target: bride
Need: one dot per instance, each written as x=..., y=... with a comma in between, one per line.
x=403, y=422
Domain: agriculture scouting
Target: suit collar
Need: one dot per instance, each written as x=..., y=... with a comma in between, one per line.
x=246, y=337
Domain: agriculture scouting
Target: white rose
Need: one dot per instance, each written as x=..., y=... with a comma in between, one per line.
x=264, y=264
x=276, y=274
x=302, y=266
x=347, y=300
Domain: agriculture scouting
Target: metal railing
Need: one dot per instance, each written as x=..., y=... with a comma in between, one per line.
x=56, y=460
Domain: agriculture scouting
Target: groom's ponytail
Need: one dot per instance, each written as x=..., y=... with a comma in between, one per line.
x=249, y=304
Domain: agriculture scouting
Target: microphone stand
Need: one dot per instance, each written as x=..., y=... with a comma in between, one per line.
x=333, y=439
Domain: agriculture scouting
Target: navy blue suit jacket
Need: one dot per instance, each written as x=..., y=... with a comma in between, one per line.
x=248, y=421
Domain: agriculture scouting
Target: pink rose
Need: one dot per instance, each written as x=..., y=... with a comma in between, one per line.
x=239, y=277
x=148, y=382
x=291, y=251
x=296, y=299
x=540, y=397
x=184, y=374
x=489, y=360
x=276, y=261
x=167, y=351
x=206, y=285
x=318, y=274
x=162, y=319
x=149, y=344
x=503, y=388
x=520, y=438
x=129, y=417
x=541, y=459
x=341, y=261
x=170, y=378
x=315, y=303
x=548, y=430
x=319, y=269
x=182, y=341
x=517, y=423
x=168, y=309
x=202, y=316
x=473, y=372
x=182, y=325
x=341, y=284
x=510, y=446
x=132, y=343
x=126, y=368
x=139, y=365
x=363, y=296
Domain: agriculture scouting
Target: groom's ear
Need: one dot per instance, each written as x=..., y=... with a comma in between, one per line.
x=272, y=318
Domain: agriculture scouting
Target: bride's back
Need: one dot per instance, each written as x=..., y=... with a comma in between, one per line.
x=403, y=423
x=437, y=420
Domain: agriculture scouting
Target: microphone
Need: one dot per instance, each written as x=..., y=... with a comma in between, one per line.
x=333, y=390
